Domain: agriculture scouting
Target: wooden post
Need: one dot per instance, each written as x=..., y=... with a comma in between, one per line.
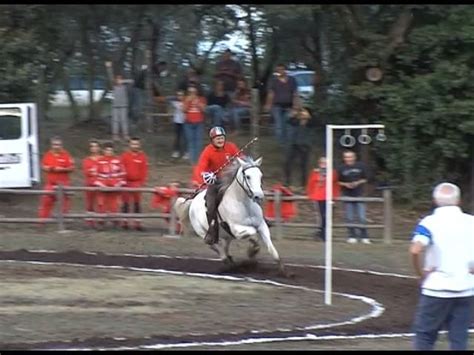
x=387, y=216
x=255, y=120
x=173, y=219
x=60, y=206
x=277, y=205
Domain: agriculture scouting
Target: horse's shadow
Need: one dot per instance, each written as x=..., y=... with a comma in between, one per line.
x=251, y=267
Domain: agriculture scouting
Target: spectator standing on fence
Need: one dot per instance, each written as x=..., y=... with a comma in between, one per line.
x=89, y=169
x=110, y=173
x=352, y=176
x=316, y=192
x=217, y=102
x=135, y=162
x=179, y=145
x=299, y=144
x=57, y=164
x=282, y=98
x=214, y=156
x=241, y=104
x=194, y=107
x=447, y=279
x=229, y=71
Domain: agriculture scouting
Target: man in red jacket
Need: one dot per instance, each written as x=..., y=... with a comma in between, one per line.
x=89, y=169
x=135, y=163
x=110, y=173
x=57, y=164
x=214, y=155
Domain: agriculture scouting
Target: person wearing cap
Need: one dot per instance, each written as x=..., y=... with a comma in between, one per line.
x=447, y=279
x=217, y=153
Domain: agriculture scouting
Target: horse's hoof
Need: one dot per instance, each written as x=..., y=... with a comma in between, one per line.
x=229, y=261
x=283, y=272
x=253, y=252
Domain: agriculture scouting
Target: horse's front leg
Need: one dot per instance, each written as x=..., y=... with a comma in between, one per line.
x=264, y=233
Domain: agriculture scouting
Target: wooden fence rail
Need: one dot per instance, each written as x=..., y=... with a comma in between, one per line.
x=277, y=222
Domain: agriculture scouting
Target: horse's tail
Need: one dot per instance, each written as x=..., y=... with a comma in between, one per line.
x=181, y=208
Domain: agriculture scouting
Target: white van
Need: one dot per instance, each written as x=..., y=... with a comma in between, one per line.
x=19, y=151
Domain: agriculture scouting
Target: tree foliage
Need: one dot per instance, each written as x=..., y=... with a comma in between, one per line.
x=424, y=51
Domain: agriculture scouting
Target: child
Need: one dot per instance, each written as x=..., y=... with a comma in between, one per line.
x=316, y=191
x=179, y=146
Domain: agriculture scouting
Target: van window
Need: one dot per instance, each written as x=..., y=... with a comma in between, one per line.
x=304, y=79
x=10, y=123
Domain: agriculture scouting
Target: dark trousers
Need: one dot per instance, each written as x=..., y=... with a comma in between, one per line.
x=294, y=152
x=179, y=144
x=321, y=205
x=213, y=198
x=433, y=313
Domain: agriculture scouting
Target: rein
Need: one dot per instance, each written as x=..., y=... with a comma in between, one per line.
x=247, y=191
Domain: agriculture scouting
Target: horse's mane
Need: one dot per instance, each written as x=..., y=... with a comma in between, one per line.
x=228, y=174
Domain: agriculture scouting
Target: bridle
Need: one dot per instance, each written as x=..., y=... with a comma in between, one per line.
x=248, y=191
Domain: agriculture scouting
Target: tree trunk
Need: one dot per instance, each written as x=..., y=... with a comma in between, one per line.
x=73, y=105
x=253, y=46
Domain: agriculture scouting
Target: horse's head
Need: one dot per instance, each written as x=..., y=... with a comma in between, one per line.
x=249, y=177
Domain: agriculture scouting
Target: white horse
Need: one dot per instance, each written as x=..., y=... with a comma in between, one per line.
x=239, y=212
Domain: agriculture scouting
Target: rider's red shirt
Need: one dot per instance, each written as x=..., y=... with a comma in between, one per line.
x=212, y=159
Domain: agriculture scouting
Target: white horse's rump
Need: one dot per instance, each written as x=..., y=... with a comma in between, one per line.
x=239, y=210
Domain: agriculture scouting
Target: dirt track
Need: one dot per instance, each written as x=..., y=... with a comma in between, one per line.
x=397, y=295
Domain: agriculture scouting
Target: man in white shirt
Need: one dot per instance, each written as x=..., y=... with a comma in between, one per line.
x=447, y=279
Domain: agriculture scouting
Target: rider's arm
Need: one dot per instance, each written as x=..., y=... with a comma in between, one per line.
x=201, y=166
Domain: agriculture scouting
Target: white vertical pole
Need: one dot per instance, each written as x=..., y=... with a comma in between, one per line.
x=328, y=243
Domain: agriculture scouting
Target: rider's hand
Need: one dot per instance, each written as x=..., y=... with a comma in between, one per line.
x=209, y=177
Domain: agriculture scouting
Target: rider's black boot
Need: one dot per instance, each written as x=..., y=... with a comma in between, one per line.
x=212, y=236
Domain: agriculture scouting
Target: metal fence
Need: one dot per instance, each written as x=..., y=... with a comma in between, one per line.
x=61, y=218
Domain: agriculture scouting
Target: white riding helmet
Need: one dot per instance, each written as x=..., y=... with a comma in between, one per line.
x=216, y=131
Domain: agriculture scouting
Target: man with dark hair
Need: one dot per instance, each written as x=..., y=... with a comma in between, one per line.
x=135, y=163
x=352, y=175
x=58, y=164
x=282, y=99
x=229, y=71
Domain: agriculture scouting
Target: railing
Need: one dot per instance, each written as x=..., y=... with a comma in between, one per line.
x=61, y=218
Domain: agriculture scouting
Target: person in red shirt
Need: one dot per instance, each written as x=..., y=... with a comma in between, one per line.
x=316, y=191
x=194, y=107
x=58, y=164
x=135, y=163
x=89, y=169
x=214, y=155
x=110, y=173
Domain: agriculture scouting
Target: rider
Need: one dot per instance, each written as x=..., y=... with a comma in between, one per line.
x=214, y=156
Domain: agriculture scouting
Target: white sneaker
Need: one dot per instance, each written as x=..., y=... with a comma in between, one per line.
x=366, y=241
x=175, y=155
x=352, y=241
x=186, y=156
